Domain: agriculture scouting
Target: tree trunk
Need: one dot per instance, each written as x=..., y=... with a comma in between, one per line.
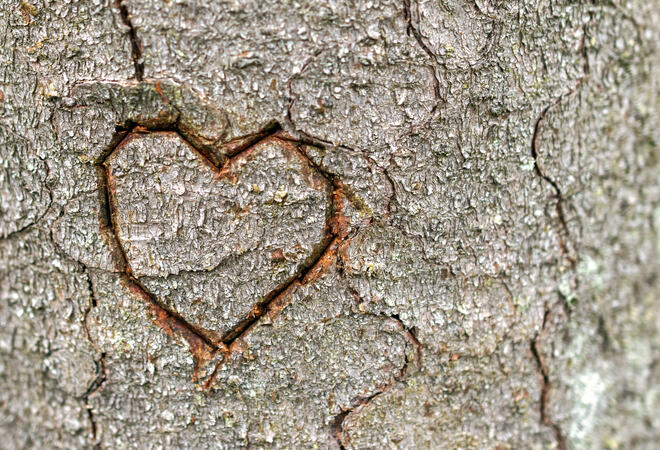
x=295, y=224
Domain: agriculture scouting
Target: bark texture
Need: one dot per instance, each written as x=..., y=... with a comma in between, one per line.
x=336, y=224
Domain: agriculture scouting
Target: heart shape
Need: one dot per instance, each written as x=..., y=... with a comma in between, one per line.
x=213, y=242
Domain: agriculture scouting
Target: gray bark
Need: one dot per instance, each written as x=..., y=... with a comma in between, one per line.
x=363, y=224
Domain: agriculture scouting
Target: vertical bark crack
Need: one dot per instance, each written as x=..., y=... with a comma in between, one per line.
x=560, y=206
x=136, y=46
x=417, y=35
x=337, y=428
x=100, y=364
x=546, y=386
x=392, y=198
x=569, y=254
x=560, y=199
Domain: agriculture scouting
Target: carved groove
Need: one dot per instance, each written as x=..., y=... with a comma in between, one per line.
x=202, y=346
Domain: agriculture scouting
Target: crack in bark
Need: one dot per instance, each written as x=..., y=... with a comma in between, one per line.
x=302, y=138
x=559, y=196
x=409, y=333
x=95, y=386
x=337, y=428
x=392, y=198
x=289, y=83
x=560, y=207
x=24, y=228
x=136, y=47
x=417, y=35
x=546, y=386
x=337, y=425
x=100, y=364
x=414, y=359
x=569, y=254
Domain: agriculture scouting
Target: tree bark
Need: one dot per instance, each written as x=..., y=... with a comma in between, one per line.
x=363, y=224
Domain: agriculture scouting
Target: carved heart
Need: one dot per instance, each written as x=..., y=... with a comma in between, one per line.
x=212, y=242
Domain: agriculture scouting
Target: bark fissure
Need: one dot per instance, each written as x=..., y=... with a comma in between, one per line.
x=94, y=387
x=569, y=253
x=546, y=385
x=390, y=201
x=559, y=196
x=100, y=363
x=136, y=46
x=337, y=425
x=408, y=332
x=24, y=228
x=100, y=367
x=251, y=140
x=413, y=358
x=417, y=35
x=302, y=139
x=337, y=428
x=560, y=206
x=289, y=84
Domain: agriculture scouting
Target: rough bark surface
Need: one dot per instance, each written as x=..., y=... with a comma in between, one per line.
x=336, y=224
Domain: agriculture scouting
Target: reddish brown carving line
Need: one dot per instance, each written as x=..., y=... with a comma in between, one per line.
x=205, y=345
x=337, y=239
x=201, y=346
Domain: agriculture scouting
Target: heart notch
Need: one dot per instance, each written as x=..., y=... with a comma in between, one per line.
x=214, y=243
